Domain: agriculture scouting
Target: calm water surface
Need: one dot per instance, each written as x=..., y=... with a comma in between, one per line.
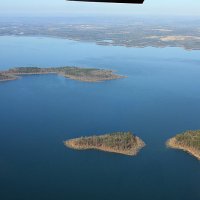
x=160, y=97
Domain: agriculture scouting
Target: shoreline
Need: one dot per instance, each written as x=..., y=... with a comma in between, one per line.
x=82, y=79
x=10, y=79
x=102, y=43
x=172, y=143
x=4, y=77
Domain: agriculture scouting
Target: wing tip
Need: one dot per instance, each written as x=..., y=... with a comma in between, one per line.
x=112, y=1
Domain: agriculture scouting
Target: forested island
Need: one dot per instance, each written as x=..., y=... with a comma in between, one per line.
x=188, y=141
x=75, y=73
x=120, y=142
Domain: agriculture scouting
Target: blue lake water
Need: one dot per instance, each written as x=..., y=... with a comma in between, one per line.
x=160, y=98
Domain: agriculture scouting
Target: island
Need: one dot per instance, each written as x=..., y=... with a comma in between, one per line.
x=75, y=73
x=119, y=142
x=188, y=141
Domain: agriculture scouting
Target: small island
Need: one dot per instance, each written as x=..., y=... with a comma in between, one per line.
x=188, y=141
x=75, y=73
x=120, y=142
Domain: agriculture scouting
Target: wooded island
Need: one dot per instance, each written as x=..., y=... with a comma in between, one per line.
x=76, y=73
x=120, y=142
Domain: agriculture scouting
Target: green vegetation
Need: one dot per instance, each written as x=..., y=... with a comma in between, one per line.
x=189, y=138
x=76, y=73
x=24, y=70
x=119, y=142
x=188, y=141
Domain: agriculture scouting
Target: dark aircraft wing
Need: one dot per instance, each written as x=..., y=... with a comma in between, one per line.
x=113, y=1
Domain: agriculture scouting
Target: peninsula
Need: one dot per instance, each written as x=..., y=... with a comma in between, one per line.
x=7, y=77
x=75, y=73
x=188, y=141
x=120, y=142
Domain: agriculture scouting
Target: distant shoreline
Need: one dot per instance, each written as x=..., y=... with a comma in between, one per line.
x=134, y=35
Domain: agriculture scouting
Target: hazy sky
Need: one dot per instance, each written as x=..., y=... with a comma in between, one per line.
x=62, y=7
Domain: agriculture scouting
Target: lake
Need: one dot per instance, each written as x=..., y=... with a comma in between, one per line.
x=160, y=98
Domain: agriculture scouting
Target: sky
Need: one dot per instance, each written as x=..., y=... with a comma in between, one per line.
x=62, y=8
